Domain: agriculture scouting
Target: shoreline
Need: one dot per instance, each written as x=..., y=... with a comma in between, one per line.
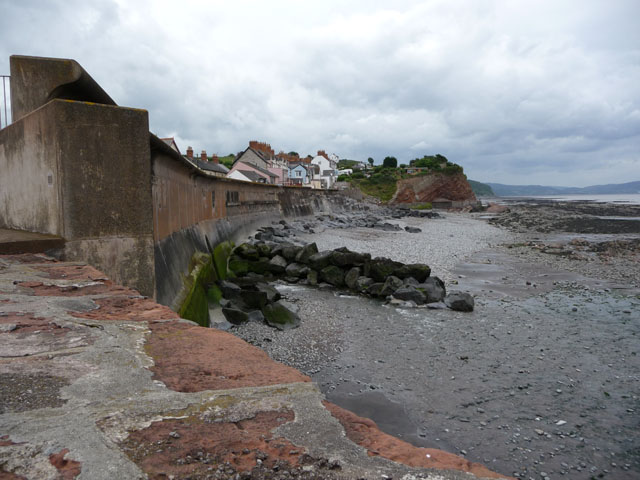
x=428, y=376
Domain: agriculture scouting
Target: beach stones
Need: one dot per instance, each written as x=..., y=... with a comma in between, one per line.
x=459, y=301
x=434, y=290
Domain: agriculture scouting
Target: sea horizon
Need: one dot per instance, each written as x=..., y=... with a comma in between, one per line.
x=626, y=198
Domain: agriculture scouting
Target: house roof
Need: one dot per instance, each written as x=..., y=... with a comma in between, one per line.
x=212, y=167
x=158, y=145
x=260, y=155
x=171, y=142
x=261, y=170
x=251, y=175
x=293, y=165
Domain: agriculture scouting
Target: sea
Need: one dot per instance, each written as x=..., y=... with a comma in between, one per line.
x=629, y=199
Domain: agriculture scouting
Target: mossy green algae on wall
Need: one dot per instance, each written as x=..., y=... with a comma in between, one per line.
x=199, y=291
x=202, y=273
x=221, y=254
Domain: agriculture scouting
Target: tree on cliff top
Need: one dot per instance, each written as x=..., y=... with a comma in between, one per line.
x=390, y=162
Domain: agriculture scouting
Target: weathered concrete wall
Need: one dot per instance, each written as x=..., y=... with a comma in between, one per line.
x=29, y=174
x=124, y=201
x=81, y=171
x=37, y=80
x=186, y=219
x=106, y=190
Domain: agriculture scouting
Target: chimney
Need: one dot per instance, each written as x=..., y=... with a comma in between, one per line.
x=189, y=152
x=214, y=159
x=203, y=155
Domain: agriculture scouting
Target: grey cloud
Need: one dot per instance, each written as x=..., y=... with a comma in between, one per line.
x=544, y=91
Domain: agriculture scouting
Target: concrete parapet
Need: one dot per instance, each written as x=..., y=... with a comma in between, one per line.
x=37, y=80
x=80, y=171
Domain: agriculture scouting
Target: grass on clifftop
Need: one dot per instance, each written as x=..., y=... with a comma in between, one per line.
x=381, y=185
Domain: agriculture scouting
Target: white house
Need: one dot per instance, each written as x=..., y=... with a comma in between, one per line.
x=328, y=170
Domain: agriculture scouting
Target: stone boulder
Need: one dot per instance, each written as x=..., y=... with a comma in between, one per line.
x=272, y=294
x=320, y=260
x=410, y=293
x=297, y=270
x=351, y=278
x=343, y=257
x=312, y=278
x=332, y=275
x=381, y=267
x=419, y=271
x=497, y=208
x=254, y=298
x=290, y=252
x=412, y=229
x=391, y=284
x=434, y=290
x=279, y=316
x=238, y=265
x=374, y=289
x=260, y=266
x=387, y=227
x=306, y=252
x=235, y=315
x=363, y=283
x=229, y=290
x=248, y=251
x=277, y=264
x=264, y=249
x=459, y=301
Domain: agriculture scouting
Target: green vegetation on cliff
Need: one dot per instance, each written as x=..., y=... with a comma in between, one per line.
x=382, y=182
x=344, y=163
x=436, y=163
x=481, y=189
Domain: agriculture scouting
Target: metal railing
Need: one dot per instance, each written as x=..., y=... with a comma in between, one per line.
x=5, y=99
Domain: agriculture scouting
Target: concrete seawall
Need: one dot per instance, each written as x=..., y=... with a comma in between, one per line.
x=77, y=166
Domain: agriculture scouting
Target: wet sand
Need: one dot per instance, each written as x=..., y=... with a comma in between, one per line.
x=541, y=380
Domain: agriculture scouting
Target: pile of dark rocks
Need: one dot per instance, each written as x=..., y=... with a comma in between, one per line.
x=249, y=297
x=362, y=219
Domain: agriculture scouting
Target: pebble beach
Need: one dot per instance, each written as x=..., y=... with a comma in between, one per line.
x=539, y=381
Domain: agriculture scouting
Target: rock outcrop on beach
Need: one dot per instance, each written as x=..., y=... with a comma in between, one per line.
x=427, y=188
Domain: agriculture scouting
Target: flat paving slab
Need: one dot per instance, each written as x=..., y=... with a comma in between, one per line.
x=100, y=382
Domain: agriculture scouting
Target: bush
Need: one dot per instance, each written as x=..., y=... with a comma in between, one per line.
x=422, y=206
x=343, y=178
x=452, y=168
x=390, y=162
x=357, y=175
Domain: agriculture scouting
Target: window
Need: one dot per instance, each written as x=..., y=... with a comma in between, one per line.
x=233, y=198
x=298, y=173
x=213, y=200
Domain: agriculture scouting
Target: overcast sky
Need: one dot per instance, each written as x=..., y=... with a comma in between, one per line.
x=544, y=91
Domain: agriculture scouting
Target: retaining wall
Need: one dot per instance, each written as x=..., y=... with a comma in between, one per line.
x=80, y=171
x=78, y=166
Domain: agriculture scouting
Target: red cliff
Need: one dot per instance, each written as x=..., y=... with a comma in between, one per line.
x=427, y=188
